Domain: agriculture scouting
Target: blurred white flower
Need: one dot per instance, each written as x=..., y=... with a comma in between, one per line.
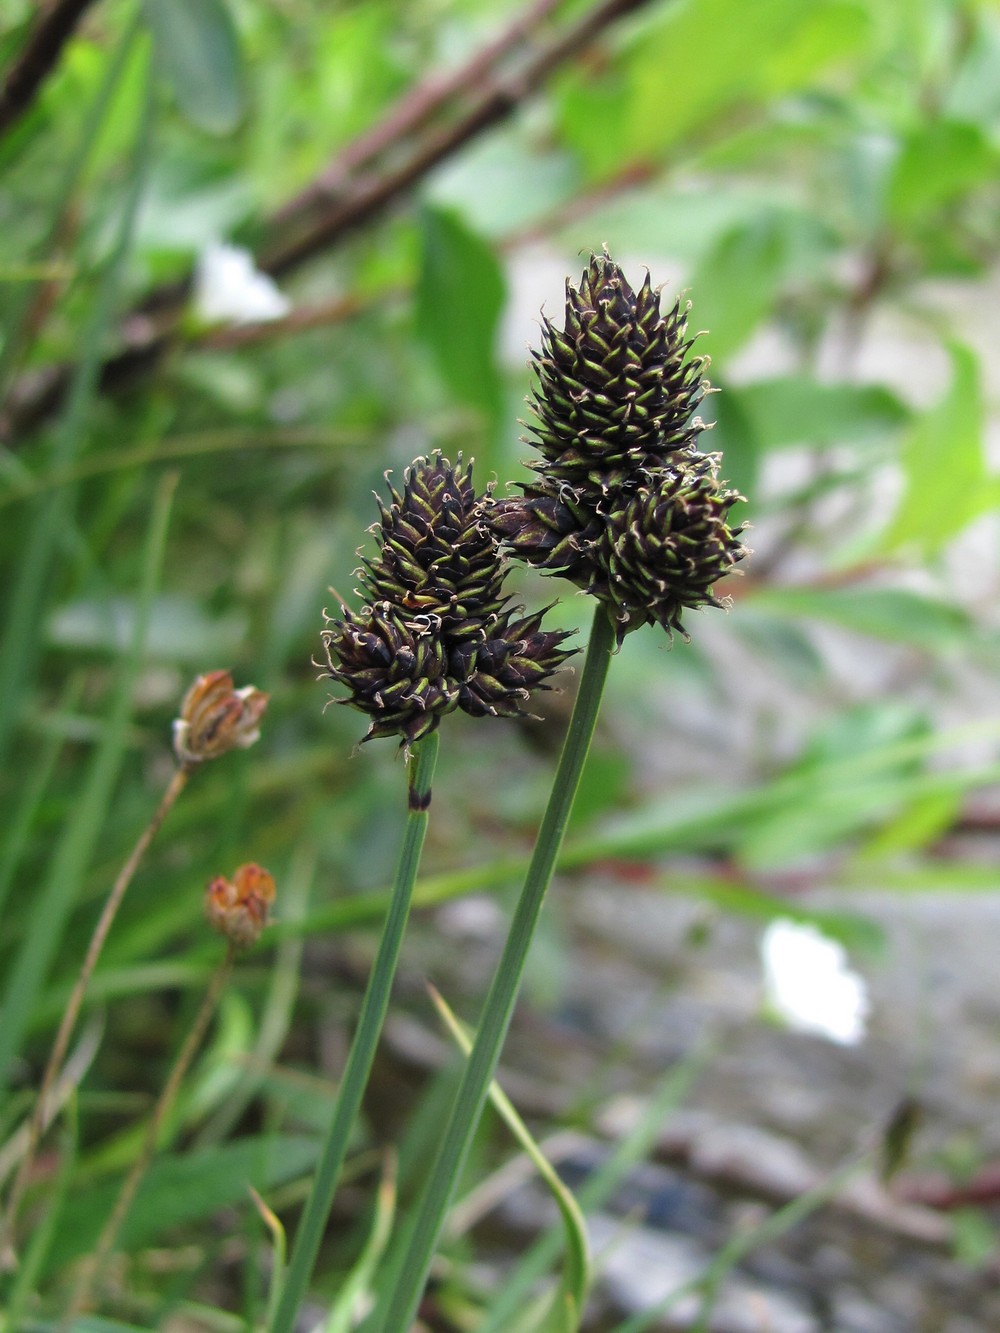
x=228, y=287
x=808, y=985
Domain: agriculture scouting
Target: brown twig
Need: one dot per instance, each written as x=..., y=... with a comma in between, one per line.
x=946, y=1194
x=52, y=29
x=150, y=330
x=411, y=113
x=40, y=1112
x=495, y=102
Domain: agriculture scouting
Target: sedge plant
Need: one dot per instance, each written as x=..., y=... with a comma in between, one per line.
x=436, y=633
x=624, y=505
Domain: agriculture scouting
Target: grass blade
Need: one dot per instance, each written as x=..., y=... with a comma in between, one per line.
x=51, y=517
x=76, y=846
x=594, y=1192
x=576, y=1273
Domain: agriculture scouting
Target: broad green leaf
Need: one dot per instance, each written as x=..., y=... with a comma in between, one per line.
x=946, y=479
x=894, y=614
x=737, y=281
x=576, y=1272
x=701, y=58
x=594, y=121
x=182, y=1189
x=736, y=435
x=459, y=298
x=784, y=640
x=866, y=729
x=939, y=161
x=797, y=410
x=197, y=48
x=830, y=34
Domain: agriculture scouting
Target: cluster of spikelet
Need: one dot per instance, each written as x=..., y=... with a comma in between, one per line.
x=436, y=632
x=622, y=503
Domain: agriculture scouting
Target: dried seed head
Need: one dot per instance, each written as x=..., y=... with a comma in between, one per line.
x=215, y=717
x=238, y=908
x=439, y=633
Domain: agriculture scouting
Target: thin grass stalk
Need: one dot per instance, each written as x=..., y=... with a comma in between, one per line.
x=77, y=844
x=40, y=1113
x=362, y=1053
x=95, y=1265
x=499, y=1007
x=54, y=514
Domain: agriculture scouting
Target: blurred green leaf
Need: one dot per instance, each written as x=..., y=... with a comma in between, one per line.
x=736, y=283
x=736, y=435
x=184, y=1188
x=918, y=825
x=866, y=729
x=794, y=410
x=700, y=58
x=938, y=161
x=973, y=1236
x=459, y=298
x=180, y=630
x=828, y=34
x=945, y=468
x=92, y=1324
x=197, y=48
x=975, y=91
x=894, y=614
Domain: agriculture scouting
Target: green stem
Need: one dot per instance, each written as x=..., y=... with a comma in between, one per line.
x=499, y=1006
x=362, y=1053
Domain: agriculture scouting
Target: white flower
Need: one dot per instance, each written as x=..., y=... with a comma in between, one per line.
x=228, y=287
x=808, y=984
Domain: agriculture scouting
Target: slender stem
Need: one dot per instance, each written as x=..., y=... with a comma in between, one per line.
x=362, y=1053
x=109, y=1234
x=40, y=1114
x=499, y=1007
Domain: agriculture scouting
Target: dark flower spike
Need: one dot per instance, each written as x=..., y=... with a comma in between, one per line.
x=438, y=633
x=508, y=666
x=615, y=386
x=669, y=545
x=622, y=504
x=396, y=671
x=437, y=557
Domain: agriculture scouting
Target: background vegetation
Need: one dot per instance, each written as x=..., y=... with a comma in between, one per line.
x=178, y=495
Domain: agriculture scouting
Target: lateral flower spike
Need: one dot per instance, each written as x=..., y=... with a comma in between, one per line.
x=216, y=717
x=623, y=504
x=437, y=633
x=239, y=907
